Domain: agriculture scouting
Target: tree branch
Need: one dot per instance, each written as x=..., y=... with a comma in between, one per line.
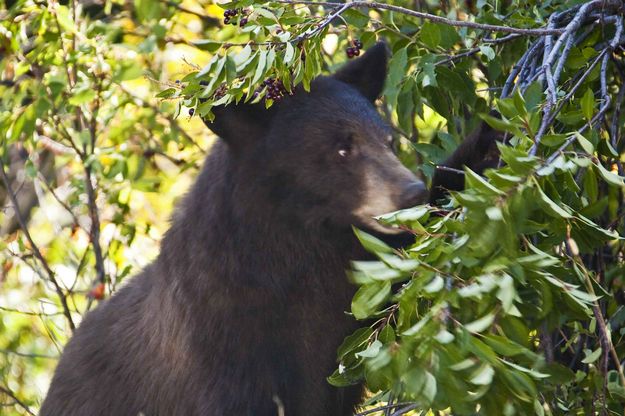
x=342, y=7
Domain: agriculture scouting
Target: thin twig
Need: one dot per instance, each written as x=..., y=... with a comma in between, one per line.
x=17, y=401
x=381, y=408
x=27, y=354
x=448, y=169
x=606, y=340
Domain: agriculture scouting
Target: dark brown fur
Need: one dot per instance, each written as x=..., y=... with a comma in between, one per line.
x=244, y=309
x=477, y=152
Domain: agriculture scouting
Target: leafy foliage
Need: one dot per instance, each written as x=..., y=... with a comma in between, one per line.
x=509, y=302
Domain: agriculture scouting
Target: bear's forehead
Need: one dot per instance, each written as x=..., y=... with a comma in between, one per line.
x=331, y=102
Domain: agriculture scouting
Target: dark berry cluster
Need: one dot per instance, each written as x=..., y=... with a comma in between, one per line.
x=230, y=14
x=354, y=50
x=275, y=89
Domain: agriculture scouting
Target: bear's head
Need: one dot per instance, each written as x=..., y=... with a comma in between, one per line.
x=324, y=156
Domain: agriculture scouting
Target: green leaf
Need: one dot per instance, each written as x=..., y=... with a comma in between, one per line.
x=128, y=71
x=169, y=92
x=587, y=104
x=289, y=53
x=505, y=346
x=473, y=180
x=611, y=178
x=371, y=243
x=398, y=263
x=483, y=376
x=533, y=373
x=260, y=69
x=64, y=19
x=488, y=52
x=481, y=324
x=429, y=387
x=519, y=103
x=435, y=285
x=242, y=57
x=147, y=9
x=585, y=143
x=501, y=125
x=551, y=207
x=506, y=292
x=591, y=186
x=430, y=35
x=444, y=337
x=405, y=215
x=368, y=298
x=356, y=18
x=397, y=68
x=82, y=96
x=354, y=342
x=208, y=45
x=371, y=351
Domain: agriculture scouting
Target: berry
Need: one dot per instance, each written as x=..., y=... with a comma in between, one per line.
x=203, y=83
x=177, y=81
x=351, y=52
x=97, y=292
x=356, y=51
x=243, y=21
x=226, y=20
x=275, y=89
x=357, y=44
x=191, y=111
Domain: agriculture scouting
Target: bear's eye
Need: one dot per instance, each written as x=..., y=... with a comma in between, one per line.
x=345, y=147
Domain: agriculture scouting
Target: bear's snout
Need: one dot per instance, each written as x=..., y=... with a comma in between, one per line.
x=414, y=193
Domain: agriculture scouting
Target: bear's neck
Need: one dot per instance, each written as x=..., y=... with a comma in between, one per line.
x=219, y=230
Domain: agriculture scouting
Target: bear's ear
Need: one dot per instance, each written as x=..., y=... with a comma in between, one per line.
x=240, y=124
x=368, y=72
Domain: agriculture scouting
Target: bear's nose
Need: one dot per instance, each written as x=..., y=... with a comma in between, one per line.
x=413, y=194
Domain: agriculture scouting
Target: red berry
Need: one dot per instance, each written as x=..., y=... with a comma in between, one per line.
x=97, y=292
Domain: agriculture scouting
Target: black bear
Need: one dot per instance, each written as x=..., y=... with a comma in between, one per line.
x=243, y=310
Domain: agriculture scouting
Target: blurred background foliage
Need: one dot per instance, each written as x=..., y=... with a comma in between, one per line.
x=511, y=301
x=77, y=101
